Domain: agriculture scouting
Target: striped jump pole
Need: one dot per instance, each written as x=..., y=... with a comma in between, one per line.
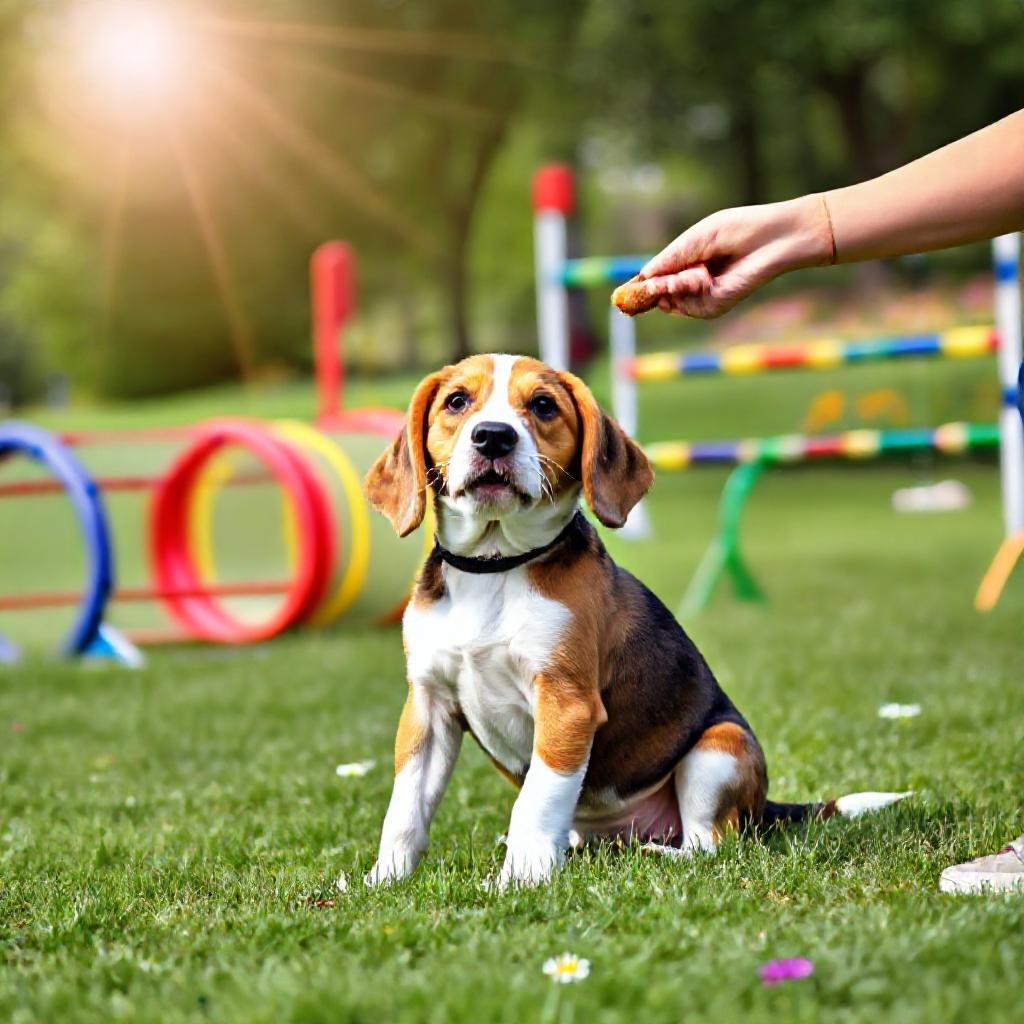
x=824, y=354
x=855, y=445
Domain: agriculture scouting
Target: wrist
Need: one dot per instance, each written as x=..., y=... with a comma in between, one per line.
x=807, y=233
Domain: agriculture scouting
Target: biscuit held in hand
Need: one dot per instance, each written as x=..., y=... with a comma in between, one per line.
x=634, y=297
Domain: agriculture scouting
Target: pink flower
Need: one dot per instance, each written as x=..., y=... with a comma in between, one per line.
x=776, y=971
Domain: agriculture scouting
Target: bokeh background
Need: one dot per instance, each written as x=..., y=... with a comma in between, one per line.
x=176, y=842
x=165, y=195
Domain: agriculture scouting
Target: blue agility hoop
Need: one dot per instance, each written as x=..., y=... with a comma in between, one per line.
x=44, y=448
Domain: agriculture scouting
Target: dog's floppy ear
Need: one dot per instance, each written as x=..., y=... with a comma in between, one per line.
x=616, y=473
x=396, y=484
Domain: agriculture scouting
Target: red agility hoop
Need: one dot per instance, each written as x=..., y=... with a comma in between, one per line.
x=172, y=560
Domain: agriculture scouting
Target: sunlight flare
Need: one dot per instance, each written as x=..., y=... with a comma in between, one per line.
x=337, y=172
x=216, y=254
x=136, y=55
x=439, y=44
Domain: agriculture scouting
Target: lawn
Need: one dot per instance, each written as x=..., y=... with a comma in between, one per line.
x=170, y=839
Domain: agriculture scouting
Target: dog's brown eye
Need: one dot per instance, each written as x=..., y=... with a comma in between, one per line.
x=456, y=401
x=542, y=406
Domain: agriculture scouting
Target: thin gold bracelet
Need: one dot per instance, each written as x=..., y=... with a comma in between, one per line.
x=831, y=230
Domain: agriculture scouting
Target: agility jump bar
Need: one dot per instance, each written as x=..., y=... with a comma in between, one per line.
x=956, y=343
x=787, y=449
x=595, y=271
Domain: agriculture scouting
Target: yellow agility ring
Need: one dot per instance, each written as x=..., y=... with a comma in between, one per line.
x=212, y=478
x=354, y=577
x=219, y=473
x=356, y=534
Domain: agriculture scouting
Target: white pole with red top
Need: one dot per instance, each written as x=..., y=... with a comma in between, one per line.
x=553, y=203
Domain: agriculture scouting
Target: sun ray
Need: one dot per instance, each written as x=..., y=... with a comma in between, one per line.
x=241, y=333
x=301, y=215
x=356, y=82
x=112, y=226
x=334, y=169
x=464, y=45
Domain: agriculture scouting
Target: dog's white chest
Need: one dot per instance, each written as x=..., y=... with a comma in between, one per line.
x=482, y=645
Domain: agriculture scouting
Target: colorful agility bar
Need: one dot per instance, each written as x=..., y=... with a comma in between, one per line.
x=786, y=449
x=751, y=458
x=594, y=271
x=956, y=343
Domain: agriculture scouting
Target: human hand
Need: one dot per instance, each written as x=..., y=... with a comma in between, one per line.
x=723, y=258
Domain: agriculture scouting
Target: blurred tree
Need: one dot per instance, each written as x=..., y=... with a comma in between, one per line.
x=813, y=94
x=160, y=247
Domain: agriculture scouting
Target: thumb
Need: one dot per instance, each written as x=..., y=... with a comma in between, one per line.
x=686, y=250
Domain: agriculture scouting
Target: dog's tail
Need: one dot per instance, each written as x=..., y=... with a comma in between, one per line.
x=853, y=805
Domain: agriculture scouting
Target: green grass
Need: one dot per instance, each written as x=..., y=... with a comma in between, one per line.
x=166, y=835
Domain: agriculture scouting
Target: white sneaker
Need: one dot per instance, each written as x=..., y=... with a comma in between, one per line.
x=998, y=872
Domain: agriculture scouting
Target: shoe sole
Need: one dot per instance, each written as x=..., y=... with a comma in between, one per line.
x=983, y=883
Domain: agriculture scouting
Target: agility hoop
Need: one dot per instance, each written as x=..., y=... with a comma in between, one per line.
x=174, y=561
x=42, y=447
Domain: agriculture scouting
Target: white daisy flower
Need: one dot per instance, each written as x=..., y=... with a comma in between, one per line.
x=566, y=968
x=355, y=770
x=899, y=711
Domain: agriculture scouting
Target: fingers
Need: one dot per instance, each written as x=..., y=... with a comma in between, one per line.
x=696, y=307
x=688, y=293
x=635, y=297
x=691, y=281
x=693, y=293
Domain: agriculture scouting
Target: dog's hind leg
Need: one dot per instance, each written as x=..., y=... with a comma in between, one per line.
x=720, y=785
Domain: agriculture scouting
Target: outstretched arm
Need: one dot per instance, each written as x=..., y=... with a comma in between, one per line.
x=966, y=191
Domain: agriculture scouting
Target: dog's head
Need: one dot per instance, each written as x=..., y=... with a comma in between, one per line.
x=497, y=434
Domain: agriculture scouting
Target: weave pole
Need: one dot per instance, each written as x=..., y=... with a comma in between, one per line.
x=1006, y=255
x=1006, y=258
x=332, y=275
x=625, y=409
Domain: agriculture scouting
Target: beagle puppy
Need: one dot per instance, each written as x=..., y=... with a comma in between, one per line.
x=571, y=675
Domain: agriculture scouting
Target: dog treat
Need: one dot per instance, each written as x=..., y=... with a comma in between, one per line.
x=633, y=298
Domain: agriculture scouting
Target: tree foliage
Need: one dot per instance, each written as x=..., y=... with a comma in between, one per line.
x=161, y=252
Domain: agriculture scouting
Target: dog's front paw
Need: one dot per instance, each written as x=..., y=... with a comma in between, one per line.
x=529, y=863
x=392, y=866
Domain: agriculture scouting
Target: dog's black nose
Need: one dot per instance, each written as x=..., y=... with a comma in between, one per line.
x=492, y=439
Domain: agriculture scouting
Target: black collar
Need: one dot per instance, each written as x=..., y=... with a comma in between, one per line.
x=503, y=563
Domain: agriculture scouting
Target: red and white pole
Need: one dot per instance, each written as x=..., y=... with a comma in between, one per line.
x=553, y=203
x=332, y=271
